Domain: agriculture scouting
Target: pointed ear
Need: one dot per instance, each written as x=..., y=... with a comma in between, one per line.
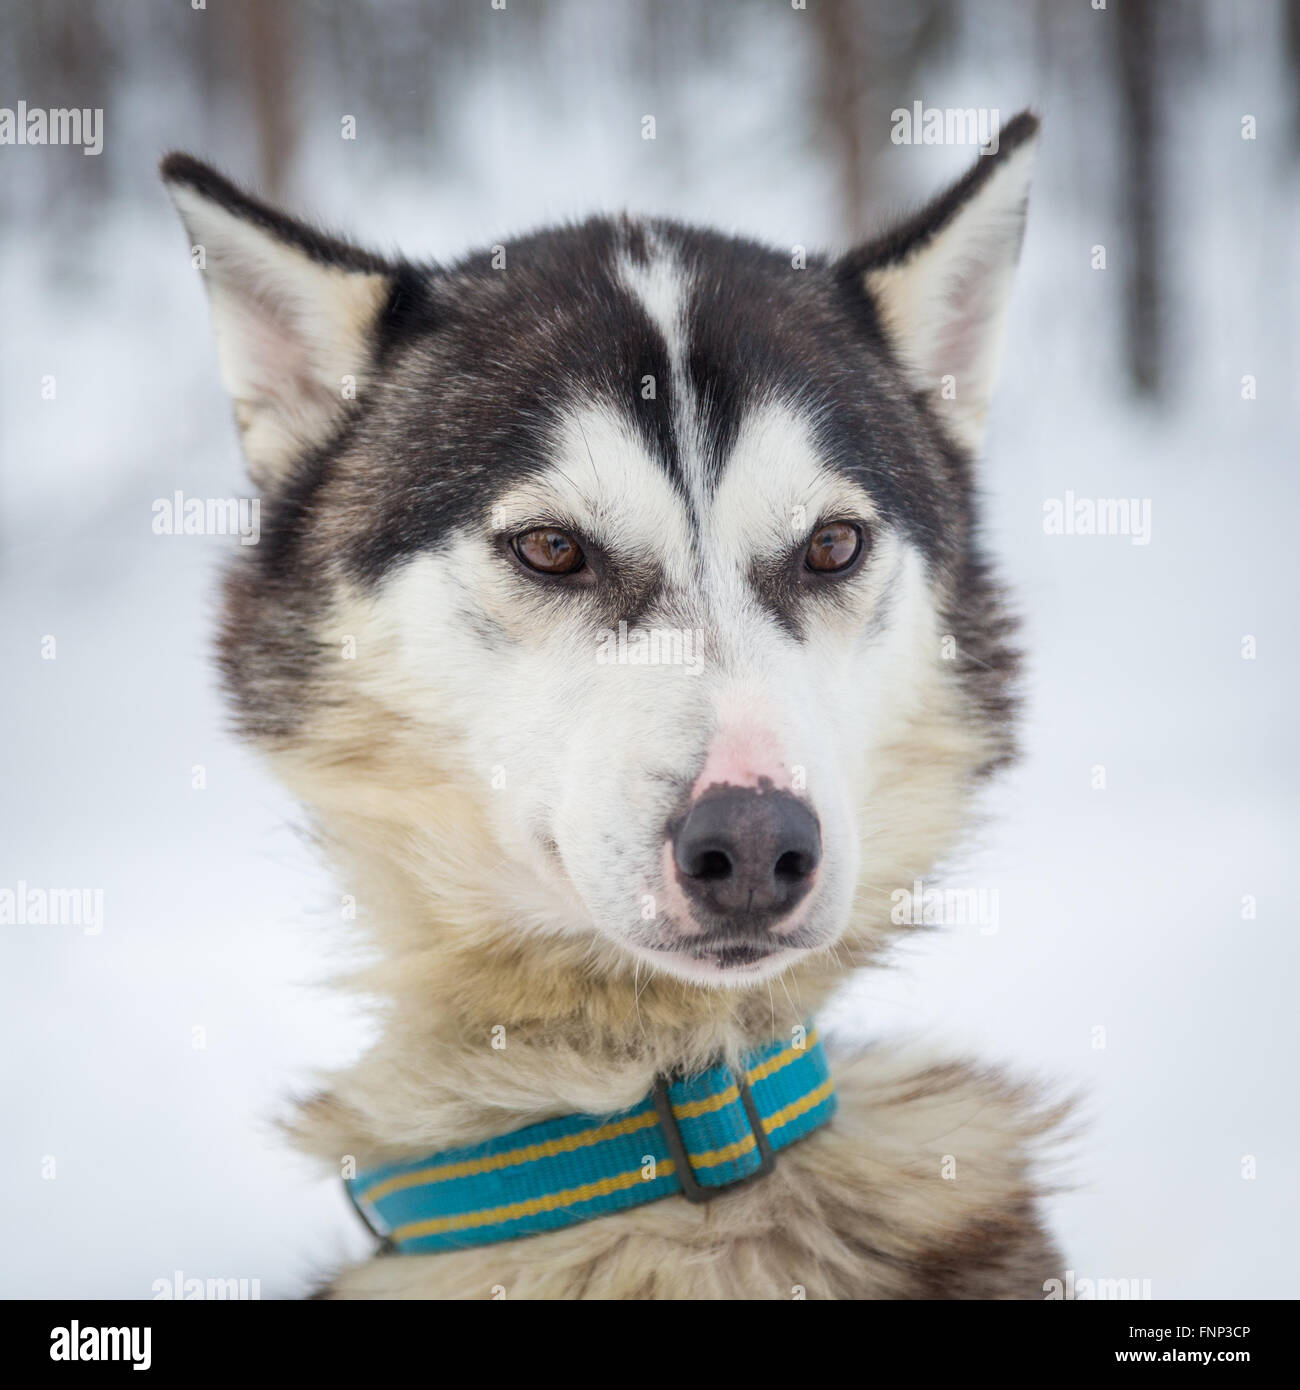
x=941, y=281
x=295, y=314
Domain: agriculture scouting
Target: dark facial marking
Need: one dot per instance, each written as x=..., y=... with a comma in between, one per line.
x=475, y=369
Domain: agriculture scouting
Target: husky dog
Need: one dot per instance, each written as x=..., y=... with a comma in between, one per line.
x=619, y=617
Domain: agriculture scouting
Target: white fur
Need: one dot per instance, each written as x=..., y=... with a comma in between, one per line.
x=293, y=336
x=945, y=306
x=595, y=758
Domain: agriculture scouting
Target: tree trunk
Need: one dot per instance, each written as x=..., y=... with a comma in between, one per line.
x=1138, y=52
x=270, y=79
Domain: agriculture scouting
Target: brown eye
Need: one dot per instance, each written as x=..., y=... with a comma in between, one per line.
x=834, y=547
x=549, y=551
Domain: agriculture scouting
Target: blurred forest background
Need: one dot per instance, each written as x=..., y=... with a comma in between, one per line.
x=1151, y=354
x=254, y=83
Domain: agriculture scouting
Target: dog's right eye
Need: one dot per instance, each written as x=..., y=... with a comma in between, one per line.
x=549, y=551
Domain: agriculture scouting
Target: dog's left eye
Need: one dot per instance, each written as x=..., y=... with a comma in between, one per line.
x=834, y=547
x=549, y=551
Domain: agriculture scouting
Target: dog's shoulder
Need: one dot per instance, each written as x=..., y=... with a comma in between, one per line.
x=935, y=1169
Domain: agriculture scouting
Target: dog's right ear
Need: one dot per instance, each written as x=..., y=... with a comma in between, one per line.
x=295, y=314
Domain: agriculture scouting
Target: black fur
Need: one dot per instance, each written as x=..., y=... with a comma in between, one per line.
x=184, y=169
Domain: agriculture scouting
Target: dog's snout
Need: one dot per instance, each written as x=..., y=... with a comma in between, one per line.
x=746, y=855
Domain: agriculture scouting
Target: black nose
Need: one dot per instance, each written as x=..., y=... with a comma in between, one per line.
x=747, y=857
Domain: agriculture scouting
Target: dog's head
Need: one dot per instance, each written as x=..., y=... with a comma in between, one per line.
x=620, y=581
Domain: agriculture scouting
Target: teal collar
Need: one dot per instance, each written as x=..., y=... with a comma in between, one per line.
x=694, y=1134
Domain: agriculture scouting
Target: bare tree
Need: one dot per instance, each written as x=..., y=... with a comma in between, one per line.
x=1138, y=54
x=1293, y=66
x=868, y=58
x=840, y=70
x=267, y=54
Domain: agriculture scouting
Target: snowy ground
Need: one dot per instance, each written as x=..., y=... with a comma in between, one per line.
x=1118, y=909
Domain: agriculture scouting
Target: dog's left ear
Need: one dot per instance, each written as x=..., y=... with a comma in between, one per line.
x=295, y=314
x=941, y=280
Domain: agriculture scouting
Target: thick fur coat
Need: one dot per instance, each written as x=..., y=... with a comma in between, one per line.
x=690, y=413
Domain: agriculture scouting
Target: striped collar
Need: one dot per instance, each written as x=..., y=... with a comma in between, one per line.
x=692, y=1134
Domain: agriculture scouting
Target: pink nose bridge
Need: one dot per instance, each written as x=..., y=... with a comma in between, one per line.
x=744, y=755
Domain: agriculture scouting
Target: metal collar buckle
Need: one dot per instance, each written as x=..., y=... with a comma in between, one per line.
x=691, y=1188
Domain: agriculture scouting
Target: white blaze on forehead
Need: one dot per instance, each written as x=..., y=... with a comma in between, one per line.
x=605, y=479
x=662, y=287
